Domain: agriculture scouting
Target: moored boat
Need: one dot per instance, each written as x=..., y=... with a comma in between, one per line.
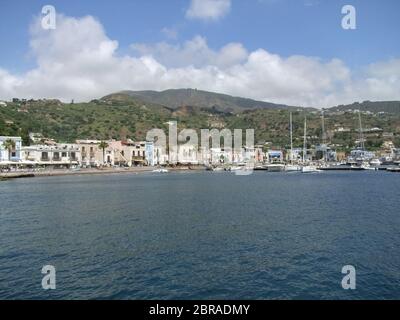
x=310, y=169
x=276, y=167
x=292, y=168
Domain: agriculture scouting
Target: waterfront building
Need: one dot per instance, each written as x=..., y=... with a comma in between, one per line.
x=216, y=156
x=92, y=155
x=138, y=154
x=160, y=156
x=396, y=154
x=360, y=155
x=326, y=153
x=294, y=155
x=259, y=155
x=59, y=155
x=150, y=154
x=249, y=154
x=188, y=154
x=340, y=156
x=13, y=155
x=275, y=156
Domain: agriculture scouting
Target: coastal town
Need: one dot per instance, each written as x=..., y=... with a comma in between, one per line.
x=85, y=155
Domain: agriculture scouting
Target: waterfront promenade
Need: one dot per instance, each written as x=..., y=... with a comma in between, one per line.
x=88, y=171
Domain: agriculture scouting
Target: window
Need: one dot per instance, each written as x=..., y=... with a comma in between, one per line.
x=64, y=154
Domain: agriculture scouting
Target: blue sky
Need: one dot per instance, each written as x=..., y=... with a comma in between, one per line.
x=310, y=28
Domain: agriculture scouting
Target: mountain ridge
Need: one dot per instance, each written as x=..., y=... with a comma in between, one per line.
x=176, y=98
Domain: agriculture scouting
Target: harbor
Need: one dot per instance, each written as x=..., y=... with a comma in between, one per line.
x=128, y=236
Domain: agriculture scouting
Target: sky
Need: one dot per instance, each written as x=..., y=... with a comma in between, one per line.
x=284, y=51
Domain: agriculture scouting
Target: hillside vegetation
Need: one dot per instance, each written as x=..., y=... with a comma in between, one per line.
x=122, y=115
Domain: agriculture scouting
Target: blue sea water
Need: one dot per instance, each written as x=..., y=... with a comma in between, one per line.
x=201, y=236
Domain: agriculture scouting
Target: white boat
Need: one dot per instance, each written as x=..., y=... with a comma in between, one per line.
x=234, y=168
x=161, y=171
x=366, y=166
x=375, y=162
x=292, y=168
x=276, y=167
x=217, y=169
x=310, y=169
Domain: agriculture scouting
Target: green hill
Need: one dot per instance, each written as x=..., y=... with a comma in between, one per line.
x=124, y=115
x=202, y=99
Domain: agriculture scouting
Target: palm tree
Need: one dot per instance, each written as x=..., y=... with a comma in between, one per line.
x=9, y=145
x=103, y=145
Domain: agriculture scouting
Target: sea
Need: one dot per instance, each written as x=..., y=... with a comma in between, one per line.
x=201, y=235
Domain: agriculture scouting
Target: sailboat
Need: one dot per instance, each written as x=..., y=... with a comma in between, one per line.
x=291, y=167
x=360, y=155
x=307, y=168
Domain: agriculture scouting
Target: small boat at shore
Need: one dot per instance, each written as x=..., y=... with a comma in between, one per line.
x=234, y=168
x=276, y=167
x=161, y=171
x=375, y=162
x=310, y=169
x=292, y=168
x=211, y=168
x=367, y=166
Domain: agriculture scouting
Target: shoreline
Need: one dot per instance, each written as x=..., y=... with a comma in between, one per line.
x=60, y=173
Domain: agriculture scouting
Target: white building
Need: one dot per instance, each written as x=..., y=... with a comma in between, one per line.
x=188, y=154
x=60, y=155
x=13, y=155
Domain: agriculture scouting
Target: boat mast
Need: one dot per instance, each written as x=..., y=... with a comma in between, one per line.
x=323, y=134
x=362, y=145
x=305, y=140
x=323, y=127
x=291, y=137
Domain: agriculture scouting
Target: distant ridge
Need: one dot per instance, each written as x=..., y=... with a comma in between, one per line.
x=371, y=106
x=176, y=98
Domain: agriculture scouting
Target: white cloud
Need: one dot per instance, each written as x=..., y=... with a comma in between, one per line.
x=208, y=9
x=194, y=52
x=78, y=61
